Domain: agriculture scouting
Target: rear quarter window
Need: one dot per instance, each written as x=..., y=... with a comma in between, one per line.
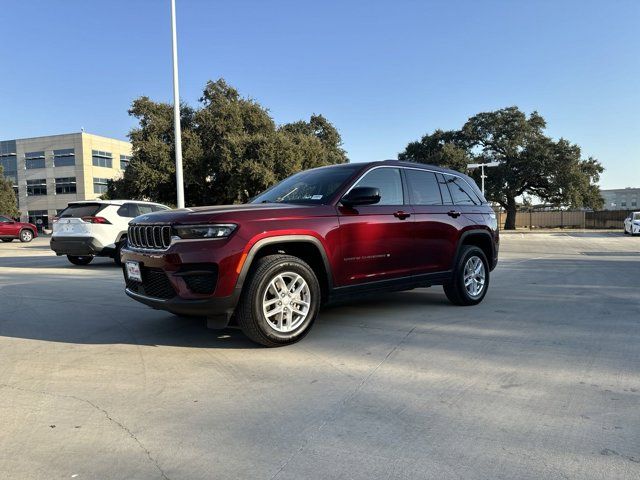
x=461, y=191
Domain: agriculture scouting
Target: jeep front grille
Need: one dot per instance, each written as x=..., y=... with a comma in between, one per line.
x=149, y=237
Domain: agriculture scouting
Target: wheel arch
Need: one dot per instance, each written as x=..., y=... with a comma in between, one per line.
x=479, y=238
x=305, y=247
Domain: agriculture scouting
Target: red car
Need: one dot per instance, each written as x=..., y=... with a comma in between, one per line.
x=318, y=236
x=10, y=230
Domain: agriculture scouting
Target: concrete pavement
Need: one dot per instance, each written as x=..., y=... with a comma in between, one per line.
x=542, y=380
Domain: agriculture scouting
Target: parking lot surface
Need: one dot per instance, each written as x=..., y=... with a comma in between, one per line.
x=541, y=380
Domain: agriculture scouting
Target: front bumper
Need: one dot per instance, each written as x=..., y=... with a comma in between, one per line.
x=192, y=278
x=206, y=307
x=79, y=246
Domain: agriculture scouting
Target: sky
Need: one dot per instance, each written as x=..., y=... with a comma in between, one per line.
x=384, y=73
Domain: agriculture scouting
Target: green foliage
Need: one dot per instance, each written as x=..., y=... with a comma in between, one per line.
x=530, y=162
x=231, y=147
x=8, y=203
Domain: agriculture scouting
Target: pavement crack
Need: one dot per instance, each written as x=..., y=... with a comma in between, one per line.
x=106, y=414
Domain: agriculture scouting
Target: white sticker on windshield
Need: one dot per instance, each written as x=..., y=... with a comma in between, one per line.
x=316, y=197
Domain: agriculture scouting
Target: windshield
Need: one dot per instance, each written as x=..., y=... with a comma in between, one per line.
x=636, y=216
x=315, y=186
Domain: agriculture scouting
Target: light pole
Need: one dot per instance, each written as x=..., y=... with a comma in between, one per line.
x=176, y=109
x=471, y=166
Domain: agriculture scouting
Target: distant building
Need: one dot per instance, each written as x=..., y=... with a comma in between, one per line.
x=49, y=172
x=621, y=198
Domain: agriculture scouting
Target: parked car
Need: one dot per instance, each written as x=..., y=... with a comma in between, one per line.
x=318, y=236
x=632, y=223
x=10, y=230
x=96, y=228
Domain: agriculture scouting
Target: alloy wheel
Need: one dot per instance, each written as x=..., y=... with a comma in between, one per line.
x=286, y=302
x=474, y=276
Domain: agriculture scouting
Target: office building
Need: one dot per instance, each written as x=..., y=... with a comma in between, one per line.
x=621, y=198
x=49, y=172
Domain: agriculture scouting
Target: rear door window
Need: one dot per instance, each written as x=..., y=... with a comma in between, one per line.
x=423, y=187
x=82, y=210
x=444, y=190
x=461, y=191
x=128, y=210
x=144, y=208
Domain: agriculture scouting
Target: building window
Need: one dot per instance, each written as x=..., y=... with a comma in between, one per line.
x=9, y=163
x=102, y=159
x=39, y=218
x=65, y=185
x=634, y=203
x=125, y=160
x=100, y=185
x=36, y=187
x=623, y=203
x=34, y=160
x=65, y=157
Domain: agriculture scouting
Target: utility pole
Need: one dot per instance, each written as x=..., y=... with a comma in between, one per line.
x=176, y=110
x=471, y=166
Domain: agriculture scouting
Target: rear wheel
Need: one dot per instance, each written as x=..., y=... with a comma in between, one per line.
x=280, y=301
x=80, y=260
x=471, y=277
x=26, y=235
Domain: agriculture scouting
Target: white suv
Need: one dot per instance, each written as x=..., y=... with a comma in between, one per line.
x=632, y=223
x=96, y=228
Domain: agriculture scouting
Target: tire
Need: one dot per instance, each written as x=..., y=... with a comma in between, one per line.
x=26, y=235
x=80, y=260
x=116, y=255
x=296, y=314
x=7, y=240
x=457, y=292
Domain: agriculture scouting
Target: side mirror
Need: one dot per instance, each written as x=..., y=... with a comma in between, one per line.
x=361, y=196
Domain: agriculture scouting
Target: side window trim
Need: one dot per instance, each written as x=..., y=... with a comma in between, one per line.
x=405, y=186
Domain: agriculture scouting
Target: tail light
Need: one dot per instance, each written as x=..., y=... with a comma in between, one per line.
x=101, y=220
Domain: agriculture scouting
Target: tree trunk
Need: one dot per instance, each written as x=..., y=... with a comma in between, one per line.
x=510, y=222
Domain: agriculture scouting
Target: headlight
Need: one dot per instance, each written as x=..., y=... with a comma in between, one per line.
x=204, y=231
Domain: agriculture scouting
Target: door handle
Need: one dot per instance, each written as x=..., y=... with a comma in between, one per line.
x=453, y=213
x=401, y=215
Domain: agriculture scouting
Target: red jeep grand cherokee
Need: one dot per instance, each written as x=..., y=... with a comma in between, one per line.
x=317, y=236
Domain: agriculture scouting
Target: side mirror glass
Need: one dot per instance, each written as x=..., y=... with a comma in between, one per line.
x=361, y=196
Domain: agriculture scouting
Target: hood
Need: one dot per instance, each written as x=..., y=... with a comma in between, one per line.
x=227, y=213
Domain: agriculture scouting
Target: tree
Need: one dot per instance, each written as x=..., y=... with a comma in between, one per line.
x=530, y=162
x=8, y=203
x=232, y=149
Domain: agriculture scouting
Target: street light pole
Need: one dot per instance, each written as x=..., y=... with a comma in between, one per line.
x=482, y=165
x=176, y=110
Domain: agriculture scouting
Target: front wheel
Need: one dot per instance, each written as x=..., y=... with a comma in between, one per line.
x=470, y=277
x=116, y=256
x=77, y=260
x=26, y=236
x=280, y=302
